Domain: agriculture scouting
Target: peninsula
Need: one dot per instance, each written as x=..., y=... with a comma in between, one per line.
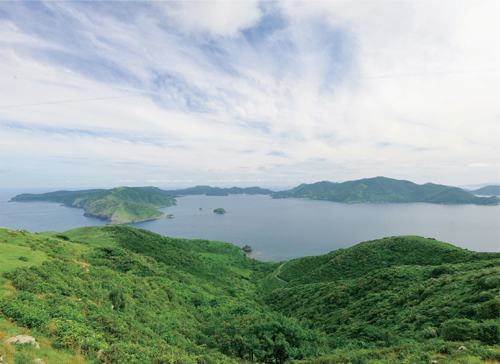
x=119, y=205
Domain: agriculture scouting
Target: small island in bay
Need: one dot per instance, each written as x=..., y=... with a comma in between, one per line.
x=169, y=216
x=220, y=210
x=247, y=248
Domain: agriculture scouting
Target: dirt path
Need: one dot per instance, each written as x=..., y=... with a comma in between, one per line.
x=279, y=271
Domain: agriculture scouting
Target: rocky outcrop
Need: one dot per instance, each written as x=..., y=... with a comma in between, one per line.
x=22, y=339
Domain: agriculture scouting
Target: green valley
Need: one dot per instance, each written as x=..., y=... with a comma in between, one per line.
x=116, y=294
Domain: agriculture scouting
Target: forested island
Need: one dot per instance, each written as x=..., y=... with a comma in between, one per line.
x=117, y=206
x=383, y=189
x=115, y=294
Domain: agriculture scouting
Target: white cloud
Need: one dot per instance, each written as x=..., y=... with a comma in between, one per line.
x=218, y=18
x=341, y=89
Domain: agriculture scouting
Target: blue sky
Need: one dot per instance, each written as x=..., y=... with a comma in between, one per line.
x=174, y=94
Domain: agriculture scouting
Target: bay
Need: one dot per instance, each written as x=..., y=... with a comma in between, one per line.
x=283, y=229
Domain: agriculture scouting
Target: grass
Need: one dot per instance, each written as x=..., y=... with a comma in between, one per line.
x=20, y=354
x=14, y=256
x=94, y=236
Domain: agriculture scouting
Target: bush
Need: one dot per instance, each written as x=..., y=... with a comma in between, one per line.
x=459, y=330
x=489, y=332
x=430, y=332
x=442, y=269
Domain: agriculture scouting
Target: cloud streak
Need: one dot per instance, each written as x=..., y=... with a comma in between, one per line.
x=281, y=91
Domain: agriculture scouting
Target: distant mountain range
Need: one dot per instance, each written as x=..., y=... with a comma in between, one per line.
x=493, y=190
x=123, y=205
x=216, y=191
x=383, y=189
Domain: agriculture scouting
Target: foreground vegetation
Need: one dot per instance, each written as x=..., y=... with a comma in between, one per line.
x=116, y=294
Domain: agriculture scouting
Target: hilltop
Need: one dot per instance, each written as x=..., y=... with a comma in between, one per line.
x=117, y=206
x=382, y=189
x=369, y=256
x=140, y=297
x=492, y=190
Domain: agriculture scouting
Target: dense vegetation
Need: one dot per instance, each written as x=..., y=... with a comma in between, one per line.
x=144, y=298
x=382, y=189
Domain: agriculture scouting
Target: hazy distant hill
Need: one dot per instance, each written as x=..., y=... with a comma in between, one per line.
x=493, y=190
x=216, y=191
x=117, y=206
x=382, y=189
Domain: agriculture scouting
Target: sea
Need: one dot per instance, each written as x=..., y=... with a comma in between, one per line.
x=281, y=229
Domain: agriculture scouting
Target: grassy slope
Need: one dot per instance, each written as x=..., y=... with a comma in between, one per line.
x=148, y=298
x=396, y=302
x=367, y=256
x=139, y=307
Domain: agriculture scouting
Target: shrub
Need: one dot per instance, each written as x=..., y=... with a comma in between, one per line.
x=459, y=330
x=489, y=332
x=430, y=332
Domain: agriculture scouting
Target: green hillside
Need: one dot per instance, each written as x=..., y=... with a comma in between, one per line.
x=117, y=206
x=368, y=256
x=216, y=191
x=382, y=189
x=145, y=298
x=493, y=190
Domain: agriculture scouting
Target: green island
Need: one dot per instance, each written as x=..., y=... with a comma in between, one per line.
x=116, y=294
x=219, y=210
x=383, y=189
x=247, y=248
x=117, y=206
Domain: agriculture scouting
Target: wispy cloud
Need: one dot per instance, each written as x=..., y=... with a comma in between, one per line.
x=286, y=90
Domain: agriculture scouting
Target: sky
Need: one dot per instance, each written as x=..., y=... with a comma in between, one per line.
x=243, y=93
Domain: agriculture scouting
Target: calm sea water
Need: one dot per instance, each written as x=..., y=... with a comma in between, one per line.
x=283, y=229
